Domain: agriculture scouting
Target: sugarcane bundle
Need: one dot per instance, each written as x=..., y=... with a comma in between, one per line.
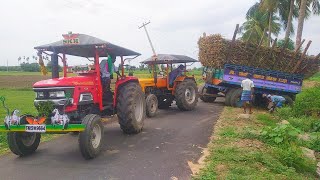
x=215, y=51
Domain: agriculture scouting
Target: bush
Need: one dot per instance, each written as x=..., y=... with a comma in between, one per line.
x=282, y=134
x=308, y=103
x=292, y=156
x=315, y=143
x=316, y=126
x=45, y=108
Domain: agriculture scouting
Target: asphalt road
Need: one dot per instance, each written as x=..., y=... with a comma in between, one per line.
x=161, y=151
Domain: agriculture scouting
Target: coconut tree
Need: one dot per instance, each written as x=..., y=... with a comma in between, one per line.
x=287, y=16
x=271, y=7
x=256, y=21
x=307, y=7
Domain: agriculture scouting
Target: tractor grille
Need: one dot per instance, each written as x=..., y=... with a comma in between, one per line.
x=53, y=93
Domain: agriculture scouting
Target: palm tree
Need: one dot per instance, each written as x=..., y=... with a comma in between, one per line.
x=288, y=15
x=285, y=9
x=271, y=7
x=257, y=21
x=307, y=7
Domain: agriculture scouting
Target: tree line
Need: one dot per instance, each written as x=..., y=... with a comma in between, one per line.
x=28, y=67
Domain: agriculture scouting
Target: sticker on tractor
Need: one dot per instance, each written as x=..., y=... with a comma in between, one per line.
x=71, y=39
x=36, y=128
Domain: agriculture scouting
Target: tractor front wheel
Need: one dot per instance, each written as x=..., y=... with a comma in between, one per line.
x=23, y=144
x=152, y=105
x=131, y=108
x=186, y=95
x=91, y=139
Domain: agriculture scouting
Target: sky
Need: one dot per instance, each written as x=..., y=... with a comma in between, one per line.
x=174, y=29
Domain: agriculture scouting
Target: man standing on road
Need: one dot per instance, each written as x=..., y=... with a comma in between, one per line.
x=247, y=93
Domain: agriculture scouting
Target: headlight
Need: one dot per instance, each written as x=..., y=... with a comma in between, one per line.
x=56, y=94
x=39, y=95
x=86, y=97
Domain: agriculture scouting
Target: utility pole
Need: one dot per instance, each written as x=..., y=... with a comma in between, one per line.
x=145, y=29
x=7, y=66
x=154, y=52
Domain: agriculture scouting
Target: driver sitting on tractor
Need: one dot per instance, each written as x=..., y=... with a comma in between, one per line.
x=175, y=73
x=107, y=68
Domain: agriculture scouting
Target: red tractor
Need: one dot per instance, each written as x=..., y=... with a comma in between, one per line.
x=79, y=101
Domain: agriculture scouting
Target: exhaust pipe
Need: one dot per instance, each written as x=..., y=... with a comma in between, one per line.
x=55, y=66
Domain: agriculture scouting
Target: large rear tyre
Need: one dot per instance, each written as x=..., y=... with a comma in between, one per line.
x=229, y=93
x=91, y=139
x=152, y=105
x=186, y=95
x=202, y=92
x=23, y=144
x=131, y=108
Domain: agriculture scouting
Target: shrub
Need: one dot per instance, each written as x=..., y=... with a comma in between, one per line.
x=304, y=123
x=315, y=144
x=45, y=108
x=292, y=156
x=316, y=126
x=308, y=102
x=283, y=134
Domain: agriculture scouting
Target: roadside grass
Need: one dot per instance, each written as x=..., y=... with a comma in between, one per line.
x=239, y=151
x=316, y=77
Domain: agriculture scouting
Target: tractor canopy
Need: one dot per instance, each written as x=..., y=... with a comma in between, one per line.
x=84, y=46
x=169, y=59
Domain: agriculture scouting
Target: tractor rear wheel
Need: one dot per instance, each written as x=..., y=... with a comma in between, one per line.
x=202, y=91
x=91, y=139
x=186, y=95
x=23, y=144
x=152, y=105
x=131, y=108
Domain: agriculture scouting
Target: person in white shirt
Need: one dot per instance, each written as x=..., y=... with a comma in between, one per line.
x=247, y=93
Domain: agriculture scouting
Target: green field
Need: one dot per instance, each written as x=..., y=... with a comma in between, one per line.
x=18, y=73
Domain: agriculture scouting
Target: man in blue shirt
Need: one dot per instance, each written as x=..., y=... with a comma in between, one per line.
x=276, y=100
x=175, y=73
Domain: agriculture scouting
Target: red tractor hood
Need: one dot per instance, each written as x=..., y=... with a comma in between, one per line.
x=67, y=81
